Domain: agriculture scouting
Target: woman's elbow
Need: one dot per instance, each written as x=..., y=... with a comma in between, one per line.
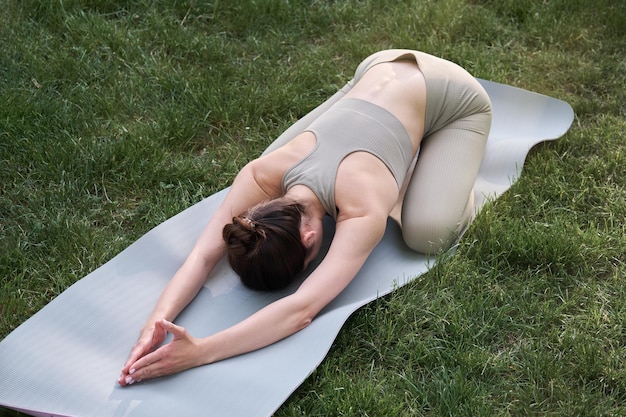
x=304, y=322
x=304, y=318
x=304, y=315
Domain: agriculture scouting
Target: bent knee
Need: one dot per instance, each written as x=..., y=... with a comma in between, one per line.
x=430, y=238
x=436, y=231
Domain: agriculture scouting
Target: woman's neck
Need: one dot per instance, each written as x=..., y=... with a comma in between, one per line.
x=305, y=196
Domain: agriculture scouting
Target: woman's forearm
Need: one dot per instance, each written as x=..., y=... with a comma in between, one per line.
x=274, y=322
x=178, y=293
x=181, y=289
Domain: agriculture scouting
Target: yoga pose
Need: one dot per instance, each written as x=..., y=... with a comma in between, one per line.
x=405, y=137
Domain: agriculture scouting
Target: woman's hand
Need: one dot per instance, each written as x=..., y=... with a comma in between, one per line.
x=150, y=339
x=178, y=355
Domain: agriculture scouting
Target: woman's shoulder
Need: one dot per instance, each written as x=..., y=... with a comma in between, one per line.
x=364, y=186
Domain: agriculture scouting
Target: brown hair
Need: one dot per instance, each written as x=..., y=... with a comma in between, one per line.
x=264, y=246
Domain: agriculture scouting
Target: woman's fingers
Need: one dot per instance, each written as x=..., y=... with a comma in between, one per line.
x=149, y=340
x=174, y=357
x=176, y=331
x=156, y=364
x=159, y=333
x=139, y=350
x=142, y=368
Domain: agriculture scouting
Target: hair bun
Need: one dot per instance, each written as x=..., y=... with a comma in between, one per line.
x=264, y=246
x=243, y=236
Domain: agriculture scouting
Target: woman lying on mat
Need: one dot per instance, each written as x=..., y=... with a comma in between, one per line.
x=350, y=158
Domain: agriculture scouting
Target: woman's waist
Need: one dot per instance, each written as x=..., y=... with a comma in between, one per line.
x=404, y=96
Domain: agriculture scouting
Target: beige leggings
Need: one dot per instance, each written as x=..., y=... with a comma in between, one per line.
x=438, y=203
x=439, y=200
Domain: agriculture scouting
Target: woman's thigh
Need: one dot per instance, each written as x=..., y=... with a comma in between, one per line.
x=439, y=199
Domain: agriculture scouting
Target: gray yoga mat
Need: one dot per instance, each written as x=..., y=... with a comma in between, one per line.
x=65, y=360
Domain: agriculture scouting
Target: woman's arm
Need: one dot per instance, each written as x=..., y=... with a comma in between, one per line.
x=207, y=251
x=354, y=240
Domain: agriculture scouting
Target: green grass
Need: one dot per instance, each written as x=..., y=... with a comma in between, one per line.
x=116, y=115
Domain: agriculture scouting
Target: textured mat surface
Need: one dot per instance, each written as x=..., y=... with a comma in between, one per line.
x=65, y=360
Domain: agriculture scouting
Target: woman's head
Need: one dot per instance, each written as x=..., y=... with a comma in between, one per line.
x=265, y=245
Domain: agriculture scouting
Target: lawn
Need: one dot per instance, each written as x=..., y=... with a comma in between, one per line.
x=118, y=114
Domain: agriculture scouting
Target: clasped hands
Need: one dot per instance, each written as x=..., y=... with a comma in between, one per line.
x=148, y=359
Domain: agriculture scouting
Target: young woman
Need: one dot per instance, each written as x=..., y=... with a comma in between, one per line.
x=351, y=158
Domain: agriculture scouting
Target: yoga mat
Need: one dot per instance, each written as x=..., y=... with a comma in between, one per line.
x=65, y=360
